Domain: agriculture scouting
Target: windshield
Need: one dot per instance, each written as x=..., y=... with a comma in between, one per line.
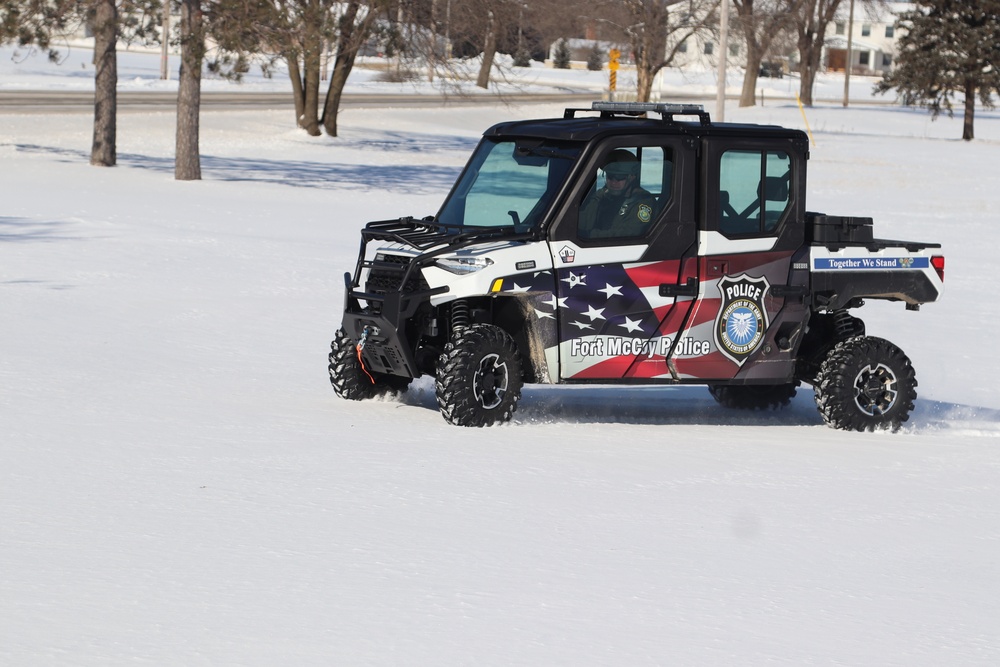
x=508, y=183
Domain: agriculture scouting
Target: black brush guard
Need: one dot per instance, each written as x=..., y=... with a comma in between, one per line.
x=382, y=323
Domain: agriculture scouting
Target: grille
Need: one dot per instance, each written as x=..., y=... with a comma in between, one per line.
x=386, y=275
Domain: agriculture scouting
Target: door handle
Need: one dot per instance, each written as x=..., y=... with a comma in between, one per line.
x=690, y=288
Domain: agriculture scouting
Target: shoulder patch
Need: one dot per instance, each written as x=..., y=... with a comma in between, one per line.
x=645, y=212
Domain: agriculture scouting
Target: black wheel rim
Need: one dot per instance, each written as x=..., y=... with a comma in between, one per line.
x=489, y=384
x=875, y=390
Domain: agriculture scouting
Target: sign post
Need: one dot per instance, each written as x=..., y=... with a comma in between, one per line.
x=613, y=57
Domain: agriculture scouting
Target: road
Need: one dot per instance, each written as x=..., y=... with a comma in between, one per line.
x=48, y=101
x=79, y=101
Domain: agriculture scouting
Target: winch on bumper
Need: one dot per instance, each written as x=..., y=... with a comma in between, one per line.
x=382, y=326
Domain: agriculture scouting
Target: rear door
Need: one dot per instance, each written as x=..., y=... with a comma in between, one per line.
x=747, y=318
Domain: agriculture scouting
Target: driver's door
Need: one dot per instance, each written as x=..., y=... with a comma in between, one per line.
x=621, y=298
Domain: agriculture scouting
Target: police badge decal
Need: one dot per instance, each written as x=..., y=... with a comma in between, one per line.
x=742, y=319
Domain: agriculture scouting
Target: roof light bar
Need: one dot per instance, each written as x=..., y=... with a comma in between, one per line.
x=666, y=110
x=646, y=107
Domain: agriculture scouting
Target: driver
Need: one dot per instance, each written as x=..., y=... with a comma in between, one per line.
x=622, y=207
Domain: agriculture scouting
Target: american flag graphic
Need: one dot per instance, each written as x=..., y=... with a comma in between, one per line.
x=608, y=321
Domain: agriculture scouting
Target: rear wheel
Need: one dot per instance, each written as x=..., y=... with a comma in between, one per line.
x=479, y=378
x=349, y=378
x=866, y=384
x=754, y=397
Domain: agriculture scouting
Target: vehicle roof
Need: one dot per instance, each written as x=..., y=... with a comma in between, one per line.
x=587, y=128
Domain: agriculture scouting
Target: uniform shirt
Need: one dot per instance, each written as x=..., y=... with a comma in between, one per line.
x=605, y=215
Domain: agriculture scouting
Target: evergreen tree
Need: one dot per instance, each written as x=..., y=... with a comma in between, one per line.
x=948, y=47
x=561, y=56
x=595, y=59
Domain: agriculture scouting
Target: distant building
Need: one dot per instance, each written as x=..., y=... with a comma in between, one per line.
x=874, y=42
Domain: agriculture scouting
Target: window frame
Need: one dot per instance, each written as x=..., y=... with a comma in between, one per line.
x=710, y=208
x=677, y=208
x=592, y=184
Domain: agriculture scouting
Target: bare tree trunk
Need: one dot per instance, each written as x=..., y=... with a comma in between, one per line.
x=649, y=27
x=760, y=26
x=331, y=106
x=649, y=55
x=312, y=55
x=310, y=117
x=755, y=54
x=814, y=17
x=807, y=80
x=351, y=34
x=298, y=89
x=187, y=165
x=810, y=51
x=970, y=110
x=489, y=52
x=806, y=44
x=103, y=150
x=644, y=84
x=432, y=47
x=305, y=81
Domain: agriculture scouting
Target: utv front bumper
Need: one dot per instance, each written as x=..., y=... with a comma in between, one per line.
x=394, y=289
x=386, y=325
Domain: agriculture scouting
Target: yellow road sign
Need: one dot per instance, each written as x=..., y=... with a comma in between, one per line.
x=613, y=57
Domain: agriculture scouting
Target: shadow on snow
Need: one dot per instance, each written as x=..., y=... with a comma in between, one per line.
x=651, y=405
x=689, y=405
x=21, y=230
x=408, y=179
x=407, y=142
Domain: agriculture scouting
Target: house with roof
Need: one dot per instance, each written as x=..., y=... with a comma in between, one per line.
x=874, y=36
x=873, y=40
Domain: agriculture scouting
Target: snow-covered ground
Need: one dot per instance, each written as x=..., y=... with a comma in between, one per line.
x=180, y=486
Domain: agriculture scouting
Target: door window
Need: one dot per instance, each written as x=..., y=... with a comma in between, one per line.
x=754, y=191
x=628, y=190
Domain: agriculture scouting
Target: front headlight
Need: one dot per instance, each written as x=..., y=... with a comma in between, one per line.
x=462, y=265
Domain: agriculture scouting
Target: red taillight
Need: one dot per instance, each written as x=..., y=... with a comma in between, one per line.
x=937, y=261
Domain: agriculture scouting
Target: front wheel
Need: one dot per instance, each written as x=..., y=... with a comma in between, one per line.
x=478, y=380
x=866, y=384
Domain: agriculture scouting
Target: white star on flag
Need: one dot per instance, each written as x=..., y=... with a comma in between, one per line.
x=581, y=325
x=611, y=290
x=631, y=325
x=542, y=314
x=556, y=303
x=594, y=314
x=575, y=280
x=517, y=288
